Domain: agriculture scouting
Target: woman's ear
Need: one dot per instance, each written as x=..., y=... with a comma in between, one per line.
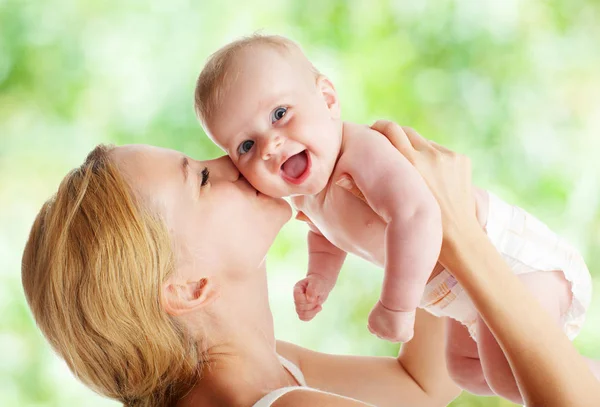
x=330, y=95
x=180, y=298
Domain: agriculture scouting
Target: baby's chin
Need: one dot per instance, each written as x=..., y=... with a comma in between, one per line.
x=314, y=184
x=276, y=192
x=311, y=187
x=293, y=191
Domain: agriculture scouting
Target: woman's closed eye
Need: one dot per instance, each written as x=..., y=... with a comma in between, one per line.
x=245, y=147
x=204, y=174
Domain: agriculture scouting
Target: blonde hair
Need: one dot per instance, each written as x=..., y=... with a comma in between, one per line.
x=92, y=272
x=212, y=80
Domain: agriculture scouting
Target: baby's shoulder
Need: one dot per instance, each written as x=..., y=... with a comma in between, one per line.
x=354, y=132
x=359, y=137
x=361, y=145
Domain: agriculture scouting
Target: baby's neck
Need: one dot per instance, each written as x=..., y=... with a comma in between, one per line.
x=346, y=128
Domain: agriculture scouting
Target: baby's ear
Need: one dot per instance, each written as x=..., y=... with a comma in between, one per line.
x=330, y=95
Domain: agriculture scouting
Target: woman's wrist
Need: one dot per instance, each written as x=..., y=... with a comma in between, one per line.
x=460, y=239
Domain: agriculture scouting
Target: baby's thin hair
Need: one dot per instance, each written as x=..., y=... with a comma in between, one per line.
x=216, y=73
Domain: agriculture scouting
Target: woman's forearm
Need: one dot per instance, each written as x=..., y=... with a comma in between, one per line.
x=424, y=358
x=547, y=367
x=418, y=377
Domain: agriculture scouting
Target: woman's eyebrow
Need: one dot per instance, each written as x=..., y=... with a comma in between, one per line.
x=185, y=165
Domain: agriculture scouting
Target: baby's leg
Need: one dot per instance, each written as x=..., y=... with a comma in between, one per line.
x=462, y=360
x=553, y=292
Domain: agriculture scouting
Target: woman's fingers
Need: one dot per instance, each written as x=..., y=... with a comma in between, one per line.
x=440, y=148
x=396, y=135
x=447, y=174
x=418, y=142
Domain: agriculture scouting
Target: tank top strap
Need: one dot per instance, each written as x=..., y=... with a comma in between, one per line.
x=293, y=369
x=270, y=398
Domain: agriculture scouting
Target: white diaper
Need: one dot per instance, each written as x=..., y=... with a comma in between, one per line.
x=527, y=245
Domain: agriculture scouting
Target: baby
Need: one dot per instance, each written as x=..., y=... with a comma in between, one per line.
x=278, y=118
x=264, y=103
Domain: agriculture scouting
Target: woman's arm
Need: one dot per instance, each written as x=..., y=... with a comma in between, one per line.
x=416, y=378
x=532, y=342
x=548, y=369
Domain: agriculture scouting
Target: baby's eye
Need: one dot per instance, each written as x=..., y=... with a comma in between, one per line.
x=278, y=114
x=205, y=173
x=245, y=147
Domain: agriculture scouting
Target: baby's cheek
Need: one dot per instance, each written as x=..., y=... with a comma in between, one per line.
x=257, y=175
x=246, y=170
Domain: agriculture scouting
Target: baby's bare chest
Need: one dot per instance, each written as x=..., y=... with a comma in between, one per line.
x=346, y=221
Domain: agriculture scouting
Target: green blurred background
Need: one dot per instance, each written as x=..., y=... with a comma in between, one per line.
x=514, y=84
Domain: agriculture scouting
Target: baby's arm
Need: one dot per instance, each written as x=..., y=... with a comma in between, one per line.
x=396, y=191
x=324, y=264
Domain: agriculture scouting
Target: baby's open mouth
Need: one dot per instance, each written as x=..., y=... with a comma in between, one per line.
x=296, y=168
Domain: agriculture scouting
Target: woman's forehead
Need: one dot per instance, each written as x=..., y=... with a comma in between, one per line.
x=151, y=172
x=129, y=152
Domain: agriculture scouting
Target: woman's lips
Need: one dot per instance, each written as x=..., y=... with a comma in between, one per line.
x=293, y=165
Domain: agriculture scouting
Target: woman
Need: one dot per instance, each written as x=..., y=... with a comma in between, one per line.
x=146, y=273
x=193, y=320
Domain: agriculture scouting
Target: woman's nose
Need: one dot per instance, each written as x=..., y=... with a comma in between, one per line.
x=271, y=146
x=222, y=168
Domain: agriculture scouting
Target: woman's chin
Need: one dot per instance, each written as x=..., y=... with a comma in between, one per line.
x=283, y=211
x=276, y=216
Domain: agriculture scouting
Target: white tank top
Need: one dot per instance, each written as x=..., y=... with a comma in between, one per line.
x=270, y=398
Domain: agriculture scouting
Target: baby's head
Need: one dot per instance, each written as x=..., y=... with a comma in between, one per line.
x=278, y=118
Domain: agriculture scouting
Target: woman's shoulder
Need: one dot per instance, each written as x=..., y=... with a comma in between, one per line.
x=296, y=359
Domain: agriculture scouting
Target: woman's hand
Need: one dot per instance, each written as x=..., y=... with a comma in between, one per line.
x=447, y=174
x=548, y=369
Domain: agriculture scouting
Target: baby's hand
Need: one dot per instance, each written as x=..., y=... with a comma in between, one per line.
x=309, y=295
x=393, y=326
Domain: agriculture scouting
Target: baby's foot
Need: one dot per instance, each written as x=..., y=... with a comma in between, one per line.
x=309, y=295
x=393, y=326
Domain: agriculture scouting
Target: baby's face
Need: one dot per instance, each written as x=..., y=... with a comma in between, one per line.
x=279, y=125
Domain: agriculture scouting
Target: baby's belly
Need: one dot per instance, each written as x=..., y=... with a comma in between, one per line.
x=364, y=239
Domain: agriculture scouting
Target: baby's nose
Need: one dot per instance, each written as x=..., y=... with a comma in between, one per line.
x=271, y=146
